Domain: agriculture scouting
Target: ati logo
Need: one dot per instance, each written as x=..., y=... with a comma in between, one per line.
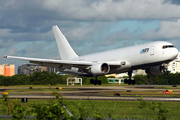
x=144, y=50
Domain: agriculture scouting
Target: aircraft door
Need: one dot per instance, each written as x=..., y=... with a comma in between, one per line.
x=152, y=50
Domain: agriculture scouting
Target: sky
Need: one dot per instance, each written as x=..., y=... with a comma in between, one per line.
x=89, y=25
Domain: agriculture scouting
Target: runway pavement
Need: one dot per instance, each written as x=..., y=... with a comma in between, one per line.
x=91, y=93
x=100, y=88
x=94, y=98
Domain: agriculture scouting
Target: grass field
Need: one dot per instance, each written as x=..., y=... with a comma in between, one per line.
x=40, y=89
x=64, y=85
x=106, y=109
x=90, y=85
x=102, y=108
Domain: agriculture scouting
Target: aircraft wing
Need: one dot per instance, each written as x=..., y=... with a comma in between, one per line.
x=62, y=63
x=51, y=62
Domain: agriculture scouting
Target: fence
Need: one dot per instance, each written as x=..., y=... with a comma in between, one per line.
x=115, y=80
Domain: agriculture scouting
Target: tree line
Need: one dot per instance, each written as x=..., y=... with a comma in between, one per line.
x=170, y=79
x=44, y=78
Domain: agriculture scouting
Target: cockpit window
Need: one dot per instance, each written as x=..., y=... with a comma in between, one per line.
x=167, y=46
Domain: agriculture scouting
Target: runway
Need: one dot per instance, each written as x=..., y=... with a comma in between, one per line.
x=96, y=98
x=93, y=93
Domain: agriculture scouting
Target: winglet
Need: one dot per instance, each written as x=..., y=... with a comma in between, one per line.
x=65, y=50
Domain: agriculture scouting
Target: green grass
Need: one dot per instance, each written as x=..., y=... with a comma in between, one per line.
x=64, y=85
x=140, y=93
x=166, y=87
x=107, y=109
x=40, y=89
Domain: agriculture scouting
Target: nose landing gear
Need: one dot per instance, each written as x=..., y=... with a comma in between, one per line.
x=165, y=69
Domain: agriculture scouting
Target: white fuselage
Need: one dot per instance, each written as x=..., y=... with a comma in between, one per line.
x=138, y=56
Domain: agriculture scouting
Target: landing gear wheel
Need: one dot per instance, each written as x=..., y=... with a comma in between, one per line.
x=129, y=82
x=92, y=81
x=95, y=82
x=125, y=81
x=99, y=82
x=166, y=73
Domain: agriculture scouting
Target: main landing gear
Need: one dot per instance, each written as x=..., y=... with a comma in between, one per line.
x=95, y=82
x=129, y=81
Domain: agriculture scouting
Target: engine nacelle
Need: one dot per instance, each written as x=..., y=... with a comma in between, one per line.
x=157, y=70
x=100, y=69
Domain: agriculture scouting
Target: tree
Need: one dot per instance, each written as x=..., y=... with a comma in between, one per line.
x=141, y=79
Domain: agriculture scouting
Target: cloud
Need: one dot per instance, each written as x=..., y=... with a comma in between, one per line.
x=39, y=50
x=12, y=51
x=167, y=30
x=6, y=35
x=80, y=33
x=110, y=10
x=176, y=2
x=26, y=16
x=79, y=20
x=7, y=43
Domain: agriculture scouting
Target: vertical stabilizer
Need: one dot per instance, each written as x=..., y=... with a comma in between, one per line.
x=65, y=50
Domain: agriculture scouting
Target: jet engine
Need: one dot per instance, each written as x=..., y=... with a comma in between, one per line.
x=157, y=70
x=100, y=69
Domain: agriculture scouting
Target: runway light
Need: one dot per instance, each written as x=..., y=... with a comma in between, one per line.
x=170, y=90
x=166, y=92
x=5, y=93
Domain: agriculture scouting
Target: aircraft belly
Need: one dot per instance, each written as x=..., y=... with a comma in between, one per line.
x=148, y=65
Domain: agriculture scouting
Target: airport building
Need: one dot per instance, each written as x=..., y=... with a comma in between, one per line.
x=7, y=69
x=140, y=72
x=174, y=66
x=28, y=69
x=109, y=75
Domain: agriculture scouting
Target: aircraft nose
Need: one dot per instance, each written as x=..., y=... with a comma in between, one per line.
x=175, y=52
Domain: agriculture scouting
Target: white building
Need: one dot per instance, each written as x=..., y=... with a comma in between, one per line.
x=174, y=66
x=124, y=75
x=140, y=72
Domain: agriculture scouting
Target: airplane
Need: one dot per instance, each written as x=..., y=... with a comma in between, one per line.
x=152, y=57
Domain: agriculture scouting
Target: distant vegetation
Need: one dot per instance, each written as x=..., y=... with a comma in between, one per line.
x=170, y=79
x=44, y=78
x=37, y=78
